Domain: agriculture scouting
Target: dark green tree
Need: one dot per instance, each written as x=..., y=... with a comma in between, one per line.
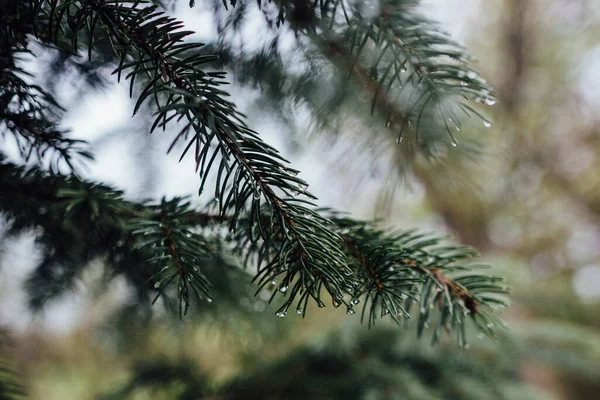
x=407, y=80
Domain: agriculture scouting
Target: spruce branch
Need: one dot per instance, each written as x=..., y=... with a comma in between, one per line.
x=80, y=221
x=269, y=213
x=395, y=40
x=150, y=44
x=401, y=61
x=166, y=250
x=27, y=112
x=399, y=269
x=177, y=250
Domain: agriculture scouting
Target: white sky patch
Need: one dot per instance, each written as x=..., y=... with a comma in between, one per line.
x=179, y=178
x=586, y=282
x=451, y=15
x=114, y=164
x=199, y=19
x=63, y=315
x=256, y=28
x=588, y=78
x=583, y=243
x=19, y=258
x=96, y=113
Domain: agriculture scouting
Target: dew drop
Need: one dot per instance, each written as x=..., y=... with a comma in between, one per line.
x=195, y=268
x=387, y=124
x=303, y=186
x=190, y=278
x=487, y=123
x=283, y=289
x=490, y=102
x=461, y=74
x=256, y=195
x=458, y=128
x=386, y=312
x=471, y=74
x=156, y=285
x=399, y=140
x=490, y=325
x=454, y=143
x=209, y=300
x=354, y=301
x=299, y=311
x=281, y=314
x=350, y=311
x=321, y=304
x=403, y=69
x=273, y=282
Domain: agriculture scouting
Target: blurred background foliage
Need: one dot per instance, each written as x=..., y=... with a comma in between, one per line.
x=530, y=201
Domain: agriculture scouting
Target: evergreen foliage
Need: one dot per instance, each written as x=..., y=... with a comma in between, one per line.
x=388, y=367
x=10, y=385
x=407, y=71
x=537, y=204
x=10, y=388
x=396, y=63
